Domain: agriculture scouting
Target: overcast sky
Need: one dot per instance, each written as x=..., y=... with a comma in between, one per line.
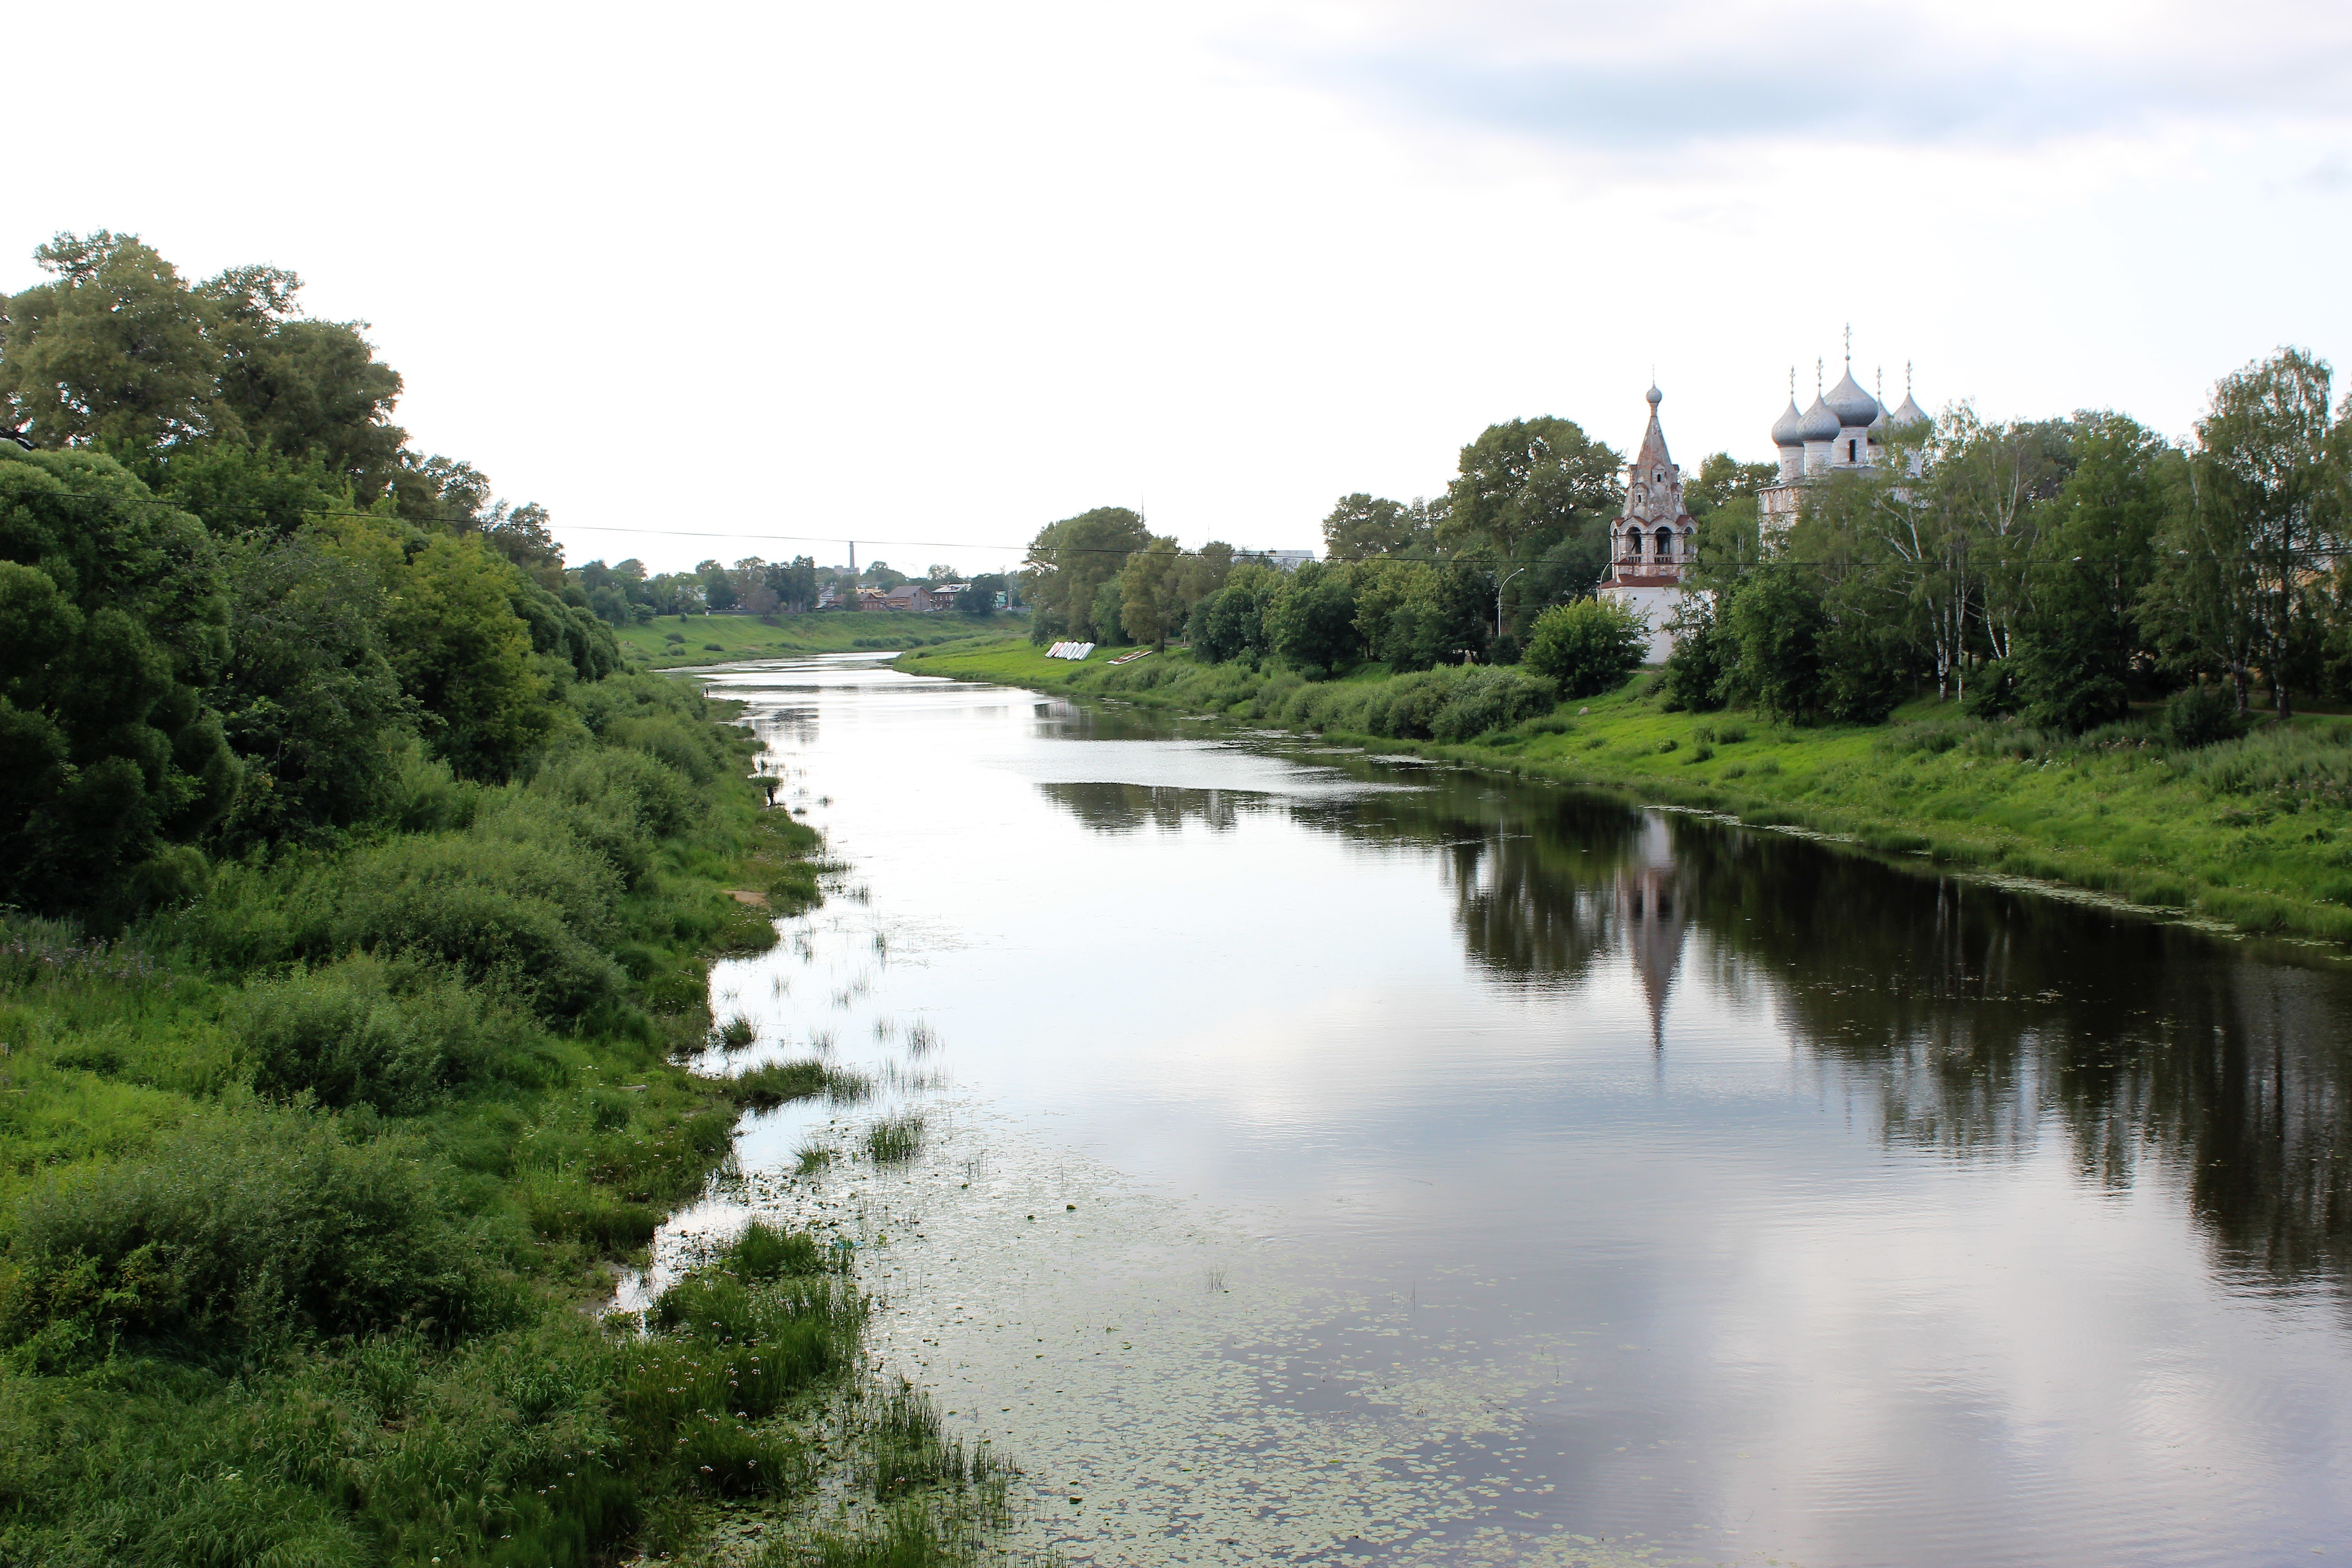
x=924, y=272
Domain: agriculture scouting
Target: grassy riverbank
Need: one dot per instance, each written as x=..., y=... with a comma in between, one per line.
x=2256, y=832
x=309, y=1186
x=673, y=642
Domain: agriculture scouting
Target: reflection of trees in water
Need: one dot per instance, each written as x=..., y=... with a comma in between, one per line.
x=1980, y=1012
x=1974, y=1014
x=1130, y=807
x=797, y=724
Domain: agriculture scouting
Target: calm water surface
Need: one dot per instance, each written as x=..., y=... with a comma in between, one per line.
x=1336, y=1159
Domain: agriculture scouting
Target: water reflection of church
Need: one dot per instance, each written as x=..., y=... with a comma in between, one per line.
x=1650, y=915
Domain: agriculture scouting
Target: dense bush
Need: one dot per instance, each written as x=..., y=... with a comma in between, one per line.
x=530, y=912
x=1589, y=647
x=362, y=1031
x=2202, y=715
x=236, y=1227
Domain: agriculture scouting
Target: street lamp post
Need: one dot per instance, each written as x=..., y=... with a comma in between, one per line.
x=1498, y=602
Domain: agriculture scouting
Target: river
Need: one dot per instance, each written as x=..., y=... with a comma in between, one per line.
x=1334, y=1159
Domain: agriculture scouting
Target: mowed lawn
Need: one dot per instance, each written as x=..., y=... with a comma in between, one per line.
x=671, y=640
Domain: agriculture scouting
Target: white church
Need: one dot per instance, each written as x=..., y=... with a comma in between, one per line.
x=1651, y=541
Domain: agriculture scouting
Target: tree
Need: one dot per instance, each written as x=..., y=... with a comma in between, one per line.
x=1231, y=623
x=113, y=349
x=308, y=699
x=793, y=583
x=1526, y=484
x=113, y=624
x=464, y=656
x=979, y=596
x=1070, y=561
x=2266, y=441
x=1362, y=526
x=1775, y=620
x=1150, y=601
x=1312, y=620
x=718, y=587
x=2077, y=647
x=1723, y=478
x=300, y=387
x=1589, y=648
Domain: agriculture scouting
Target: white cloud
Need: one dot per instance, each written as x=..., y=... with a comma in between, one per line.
x=944, y=272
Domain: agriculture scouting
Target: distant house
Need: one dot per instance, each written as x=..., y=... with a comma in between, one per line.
x=1280, y=560
x=873, y=599
x=923, y=598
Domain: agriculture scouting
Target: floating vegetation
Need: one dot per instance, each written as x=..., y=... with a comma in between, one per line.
x=811, y=1158
x=820, y=1041
x=921, y=1037
x=774, y=1083
x=737, y=1033
x=884, y=1028
x=894, y=1139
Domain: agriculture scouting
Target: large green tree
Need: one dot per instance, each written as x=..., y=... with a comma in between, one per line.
x=1360, y=527
x=113, y=622
x=1069, y=563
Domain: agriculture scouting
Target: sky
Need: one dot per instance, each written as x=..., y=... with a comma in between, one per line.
x=717, y=280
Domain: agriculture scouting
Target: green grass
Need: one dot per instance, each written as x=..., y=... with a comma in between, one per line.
x=304, y=1189
x=2256, y=833
x=674, y=641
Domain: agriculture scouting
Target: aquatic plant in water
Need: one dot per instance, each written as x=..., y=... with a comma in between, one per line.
x=895, y=1137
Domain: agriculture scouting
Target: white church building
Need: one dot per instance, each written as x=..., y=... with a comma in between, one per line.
x=1651, y=540
x=1651, y=544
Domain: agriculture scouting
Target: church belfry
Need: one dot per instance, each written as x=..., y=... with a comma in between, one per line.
x=1651, y=541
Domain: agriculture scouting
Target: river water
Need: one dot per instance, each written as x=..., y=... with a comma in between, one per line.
x=1334, y=1159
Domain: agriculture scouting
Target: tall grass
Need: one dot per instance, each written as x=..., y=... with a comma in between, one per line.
x=305, y=1184
x=894, y=1139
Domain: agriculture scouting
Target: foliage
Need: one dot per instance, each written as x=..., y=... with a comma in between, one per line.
x=1071, y=561
x=1699, y=668
x=2199, y=716
x=1589, y=647
x=1361, y=527
x=113, y=624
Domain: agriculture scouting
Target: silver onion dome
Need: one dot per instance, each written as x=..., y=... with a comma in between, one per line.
x=1820, y=422
x=1789, y=430
x=1855, y=408
x=1908, y=413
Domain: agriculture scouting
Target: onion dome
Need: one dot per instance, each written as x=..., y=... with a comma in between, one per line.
x=1654, y=396
x=1910, y=412
x=1854, y=407
x=1821, y=423
x=1789, y=430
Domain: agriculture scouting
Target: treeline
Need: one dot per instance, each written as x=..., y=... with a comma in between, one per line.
x=238, y=612
x=623, y=594
x=2058, y=570
x=1460, y=576
x=2055, y=570
x=356, y=910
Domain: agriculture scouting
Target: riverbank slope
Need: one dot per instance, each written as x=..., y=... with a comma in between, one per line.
x=2256, y=832
x=312, y=1188
x=679, y=642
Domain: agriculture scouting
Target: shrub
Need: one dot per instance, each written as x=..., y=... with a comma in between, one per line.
x=526, y=913
x=2202, y=715
x=1588, y=647
x=241, y=1224
x=364, y=1032
x=1455, y=703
